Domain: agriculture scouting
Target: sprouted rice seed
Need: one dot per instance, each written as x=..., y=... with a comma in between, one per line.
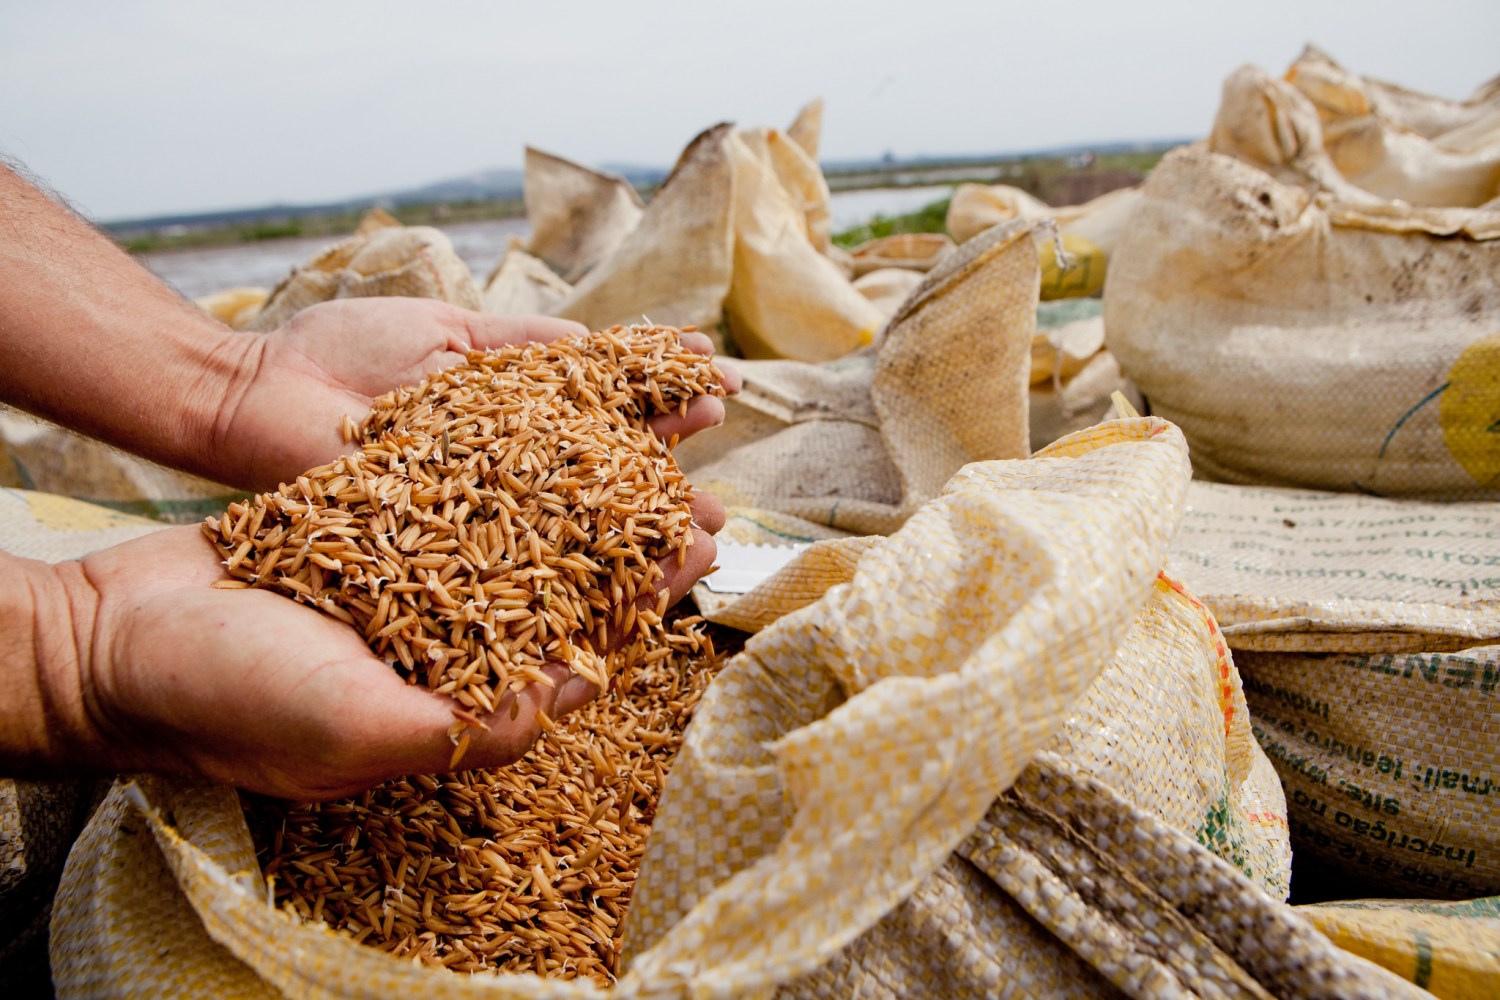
x=501, y=514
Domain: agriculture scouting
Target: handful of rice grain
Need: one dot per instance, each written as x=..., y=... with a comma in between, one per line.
x=504, y=513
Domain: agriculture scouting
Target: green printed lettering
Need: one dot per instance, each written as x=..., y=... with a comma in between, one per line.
x=1477, y=785
x=1429, y=670
x=1460, y=673
x=1421, y=973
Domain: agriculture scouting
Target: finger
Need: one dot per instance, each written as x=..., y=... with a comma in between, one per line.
x=444, y=360
x=733, y=381
x=372, y=726
x=697, y=560
x=701, y=343
x=488, y=332
x=703, y=412
x=515, y=725
x=708, y=512
x=394, y=728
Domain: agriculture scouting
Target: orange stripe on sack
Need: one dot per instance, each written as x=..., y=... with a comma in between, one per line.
x=1220, y=648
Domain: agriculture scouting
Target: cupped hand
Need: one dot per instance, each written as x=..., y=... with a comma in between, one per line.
x=247, y=687
x=330, y=360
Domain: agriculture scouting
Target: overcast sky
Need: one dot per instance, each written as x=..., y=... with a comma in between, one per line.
x=133, y=109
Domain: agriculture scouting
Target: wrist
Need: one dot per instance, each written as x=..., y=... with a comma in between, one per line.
x=47, y=615
x=218, y=367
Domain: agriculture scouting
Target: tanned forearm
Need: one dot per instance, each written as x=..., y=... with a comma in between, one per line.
x=91, y=340
x=46, y=616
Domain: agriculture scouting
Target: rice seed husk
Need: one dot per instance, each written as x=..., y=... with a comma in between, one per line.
x=497, y=516
x=566, y=495
x=500, y=870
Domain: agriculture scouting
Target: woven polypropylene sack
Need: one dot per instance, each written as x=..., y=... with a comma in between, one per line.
x=858, y=443
x=1297, y=344
x=1310, y=571
x=1449, y=949
x=786, y=298
x=1353, y=620
x=1067, y=889
x=54, y=528
x=54, y=460
x=911, y=251
x=39, y=819
x=887, y=287
x=577, y=215
x=1391, y=765
x=412, y=261
x=1089, y=231
x=1360, y=158
x=1073, y=377
x=675, y=265
x=897, y=687
x=766, y=725
x=523, y=285
x=234, y=307
x=1339, y=93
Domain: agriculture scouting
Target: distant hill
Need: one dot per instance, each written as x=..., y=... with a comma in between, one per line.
x=506, y=184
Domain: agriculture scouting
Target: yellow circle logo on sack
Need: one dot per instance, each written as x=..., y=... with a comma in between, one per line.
x=1470, y=411
x=1084, y=278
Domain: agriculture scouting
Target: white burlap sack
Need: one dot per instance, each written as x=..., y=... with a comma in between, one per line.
x=1353, y=620
x=40, y=819
x=1063, y=404
x=1338, y=93
x=1362, y=157
x=786, y=298
x=577, y=215
x=1073, y=376
x=523, y=285
x=415, y=261
x=1270, y=124
x=738, y=232
x=912, y=251
x=1301, y=341
x=888, y=287
x=858, y=443
x=53, y=459
x=976, y=207
x=675, y=265
x=795, y=159
x=806, y=130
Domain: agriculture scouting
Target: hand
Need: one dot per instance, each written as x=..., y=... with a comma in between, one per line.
x=332, y=359
x=253, y=689
x=248, y=687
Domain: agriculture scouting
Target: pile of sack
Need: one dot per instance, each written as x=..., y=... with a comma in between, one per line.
x=1043, y=715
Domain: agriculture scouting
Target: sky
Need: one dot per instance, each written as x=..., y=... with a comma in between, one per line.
x=158, y=106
